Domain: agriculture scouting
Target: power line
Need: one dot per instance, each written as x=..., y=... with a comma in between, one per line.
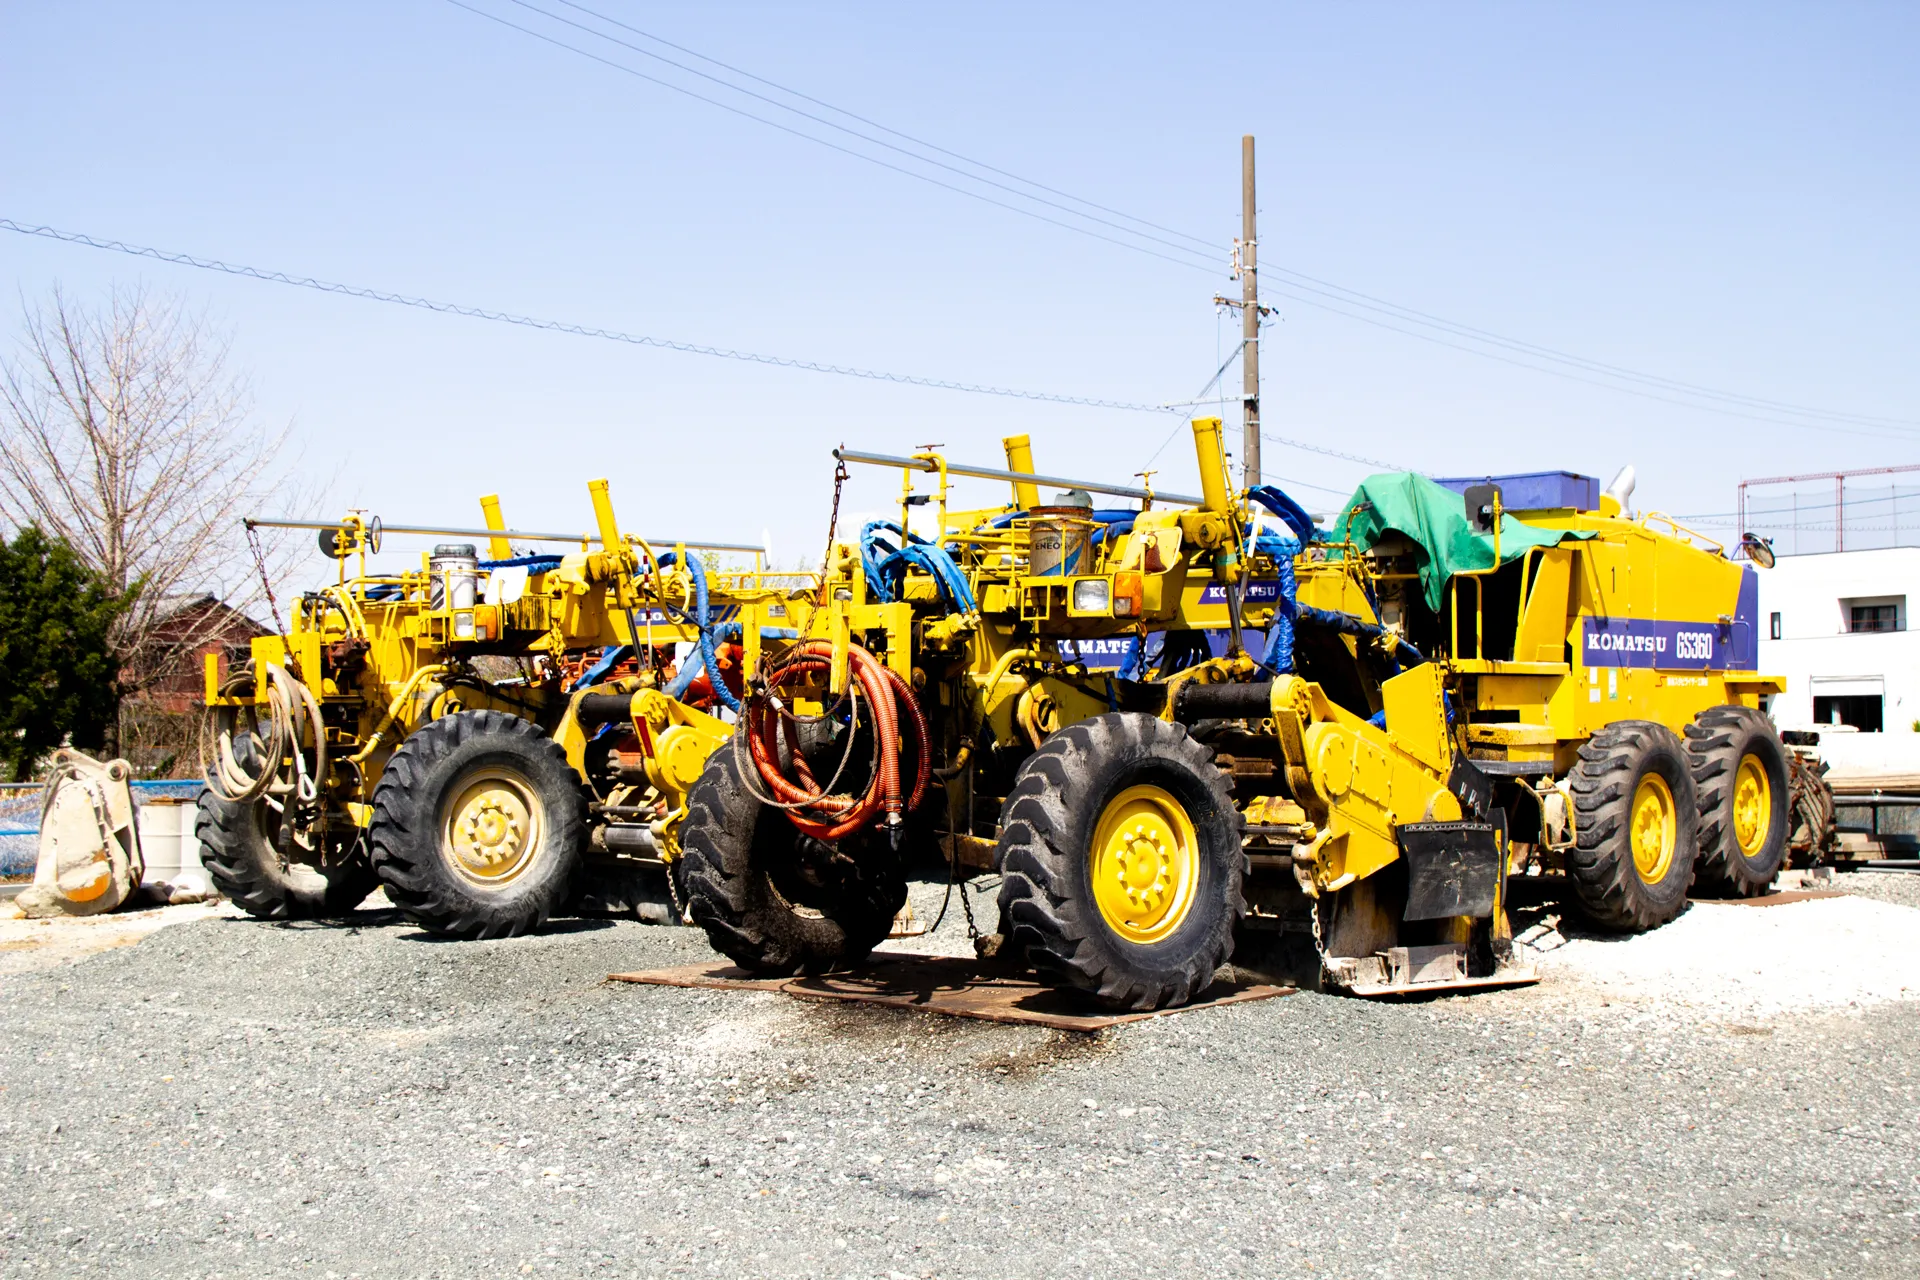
x=1825, y=502
x=558, y=326
x=1206, y=245
x=834, y=146
x=1198, y=399
x=588, y=331
x=1292, y=483
x=1210, y=253
x=1312, y=290
x=1351, y=297
x=1605, y=386
x=1331, y=453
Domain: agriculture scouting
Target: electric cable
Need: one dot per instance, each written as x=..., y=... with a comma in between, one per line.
x=1312, y=290
x=587, y=331
x=1210, y=253
x=798, y=133
x=1207, y=245
x=557, y=326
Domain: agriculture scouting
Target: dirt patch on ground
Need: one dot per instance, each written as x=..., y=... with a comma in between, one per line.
x=27, y=945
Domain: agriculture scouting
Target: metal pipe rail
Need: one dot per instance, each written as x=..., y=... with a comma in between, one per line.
x=522, y=534
x=1013, y=477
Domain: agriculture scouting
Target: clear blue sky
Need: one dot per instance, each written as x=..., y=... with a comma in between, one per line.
x=1719, y=194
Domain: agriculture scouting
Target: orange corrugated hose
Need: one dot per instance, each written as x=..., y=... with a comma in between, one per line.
x=898, y=728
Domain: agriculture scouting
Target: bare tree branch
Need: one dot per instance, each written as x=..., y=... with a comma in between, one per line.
x=123, y=432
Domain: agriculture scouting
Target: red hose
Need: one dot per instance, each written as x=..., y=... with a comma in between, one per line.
x=832, y=816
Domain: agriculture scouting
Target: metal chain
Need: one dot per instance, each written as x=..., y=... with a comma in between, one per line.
x=833, y=521
x=273, y=605
x=673, y=895
x=966, y=901
x=1319, y=945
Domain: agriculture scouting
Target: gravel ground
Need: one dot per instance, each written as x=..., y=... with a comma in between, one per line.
x=232, y=1098
x=1901, y=888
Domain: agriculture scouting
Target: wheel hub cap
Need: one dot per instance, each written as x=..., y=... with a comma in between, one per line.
x=1652, y=828
x=492, y=828
x=1752, y=806
x=1144, y=864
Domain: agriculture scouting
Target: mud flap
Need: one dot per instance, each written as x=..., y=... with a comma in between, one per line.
x=1453, y=869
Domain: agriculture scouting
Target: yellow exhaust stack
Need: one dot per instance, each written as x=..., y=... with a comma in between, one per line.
x=498, y=548
x=1213, y=465
x=1217, y=498
x=1020, y=458
x=603, y=515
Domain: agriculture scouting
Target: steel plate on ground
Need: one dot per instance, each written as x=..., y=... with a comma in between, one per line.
x=1785, y=896
x=954, y=985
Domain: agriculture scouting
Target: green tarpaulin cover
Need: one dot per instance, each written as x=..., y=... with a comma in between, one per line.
x=1436, y=520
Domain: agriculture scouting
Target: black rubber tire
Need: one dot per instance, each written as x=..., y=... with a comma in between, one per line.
x=240, y=857
x=1717, y=740
x=1046, y=834
x=410, y=854
x=1606, y=883
x=741, y=864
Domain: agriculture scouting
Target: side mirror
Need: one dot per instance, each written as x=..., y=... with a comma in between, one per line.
x=1481, y=500
x=1757, y=549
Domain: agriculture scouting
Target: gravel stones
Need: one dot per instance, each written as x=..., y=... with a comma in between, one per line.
x=240, y=1098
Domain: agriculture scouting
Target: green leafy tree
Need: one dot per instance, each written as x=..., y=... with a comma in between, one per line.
x=59, y=675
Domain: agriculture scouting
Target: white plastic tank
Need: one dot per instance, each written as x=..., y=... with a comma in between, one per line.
x=171, y=850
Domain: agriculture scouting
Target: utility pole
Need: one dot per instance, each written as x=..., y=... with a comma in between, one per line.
x=1249, y=318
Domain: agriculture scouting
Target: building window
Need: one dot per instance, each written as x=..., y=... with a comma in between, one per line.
x=1873, y=617
x=1861, y=710
x=1773, y=626
x=1875, y=614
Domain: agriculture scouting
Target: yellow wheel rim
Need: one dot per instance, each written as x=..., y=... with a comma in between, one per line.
x=1752, y=806
x=1145, y=864
x=493, y=829
x=1653, y=828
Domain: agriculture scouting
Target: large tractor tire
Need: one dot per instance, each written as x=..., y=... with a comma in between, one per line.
x=237, y=848
x=774, y=901
x=479, y=826
x=1635, y=821
x=1122, y=862
x=1746, y=796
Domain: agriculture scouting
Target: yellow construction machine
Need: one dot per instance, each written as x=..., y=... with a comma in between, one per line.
x=1172, y=726
x=439, y=731
x=1195, y=718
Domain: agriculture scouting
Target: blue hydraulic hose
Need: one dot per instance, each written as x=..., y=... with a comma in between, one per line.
x=1403, y=655
x=1282, y=548
x=1279, y=655
x=886, y=566
x=1291, y=513
x=592, y=675
x=700, y=618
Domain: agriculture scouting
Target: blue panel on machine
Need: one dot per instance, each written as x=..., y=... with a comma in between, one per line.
x=1672, y=646
x=1536, y=490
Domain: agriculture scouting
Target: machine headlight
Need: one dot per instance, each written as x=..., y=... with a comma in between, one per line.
x=463, y=625
x=1090, y=595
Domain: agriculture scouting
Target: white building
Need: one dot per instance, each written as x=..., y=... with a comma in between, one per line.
x=1836, y=625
